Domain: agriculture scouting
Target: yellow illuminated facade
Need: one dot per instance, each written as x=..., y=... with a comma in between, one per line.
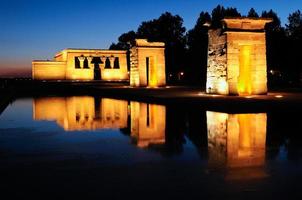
x=82, y=113
x=83, y=64
x=147, y=68
x=236, y=140
x=237, y=57
x=148, y=124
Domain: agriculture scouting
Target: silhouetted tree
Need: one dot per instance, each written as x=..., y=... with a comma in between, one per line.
x=197, y=43
x=294, y=43
x=124, y=41
x=220, y=12
x=275, y=41
x=294, y=26
x=253, y=13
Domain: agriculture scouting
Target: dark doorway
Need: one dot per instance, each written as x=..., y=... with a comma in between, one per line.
x=147, y=70
x=97, y=70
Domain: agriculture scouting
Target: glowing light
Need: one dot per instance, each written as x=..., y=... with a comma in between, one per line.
x=222, y=87
x=279, y=96
x=244, y=80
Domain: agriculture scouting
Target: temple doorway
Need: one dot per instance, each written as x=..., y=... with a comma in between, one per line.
x=244, y=85
x=150, y=72
x=97, y=70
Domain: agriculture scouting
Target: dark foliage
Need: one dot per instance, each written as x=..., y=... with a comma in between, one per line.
x=197, y=43
x=252, y=13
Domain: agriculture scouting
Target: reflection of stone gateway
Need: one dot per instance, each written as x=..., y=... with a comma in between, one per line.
x=236, y=140
x=148, y=123
x=237, y=57
x=82, y=113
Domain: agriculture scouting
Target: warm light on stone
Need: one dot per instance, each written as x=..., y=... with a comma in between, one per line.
x=147, y=64
x=64, y=66
x=148, y=123
x=236, y=140
x=237, y=57
x=82, y=113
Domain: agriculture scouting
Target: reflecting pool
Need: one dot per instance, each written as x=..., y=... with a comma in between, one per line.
x=101, y=147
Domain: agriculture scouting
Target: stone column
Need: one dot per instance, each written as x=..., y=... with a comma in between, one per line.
x=81, y=59
x=90, y=65
x=103, y=60
x=111, y=58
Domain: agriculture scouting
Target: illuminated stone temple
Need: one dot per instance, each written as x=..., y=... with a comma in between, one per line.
x=237, y=57
x=83, y=64
x=147, y=65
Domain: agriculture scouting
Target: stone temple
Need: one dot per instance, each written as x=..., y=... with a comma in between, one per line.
x=237, y=57
x=147, y=65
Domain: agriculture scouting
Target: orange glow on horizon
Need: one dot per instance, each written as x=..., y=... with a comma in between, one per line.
x=15, y=68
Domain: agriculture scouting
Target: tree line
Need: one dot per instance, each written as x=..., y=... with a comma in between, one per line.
x=186, y=51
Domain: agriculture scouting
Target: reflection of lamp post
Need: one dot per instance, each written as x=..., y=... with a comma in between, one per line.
x=81, y=59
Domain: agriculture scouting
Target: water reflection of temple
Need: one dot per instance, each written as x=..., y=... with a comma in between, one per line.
x=147, y=121
x=82, y=113
x=231, y=140
x=237, y=140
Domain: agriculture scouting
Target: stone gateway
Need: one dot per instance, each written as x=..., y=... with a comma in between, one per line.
x=237, y=57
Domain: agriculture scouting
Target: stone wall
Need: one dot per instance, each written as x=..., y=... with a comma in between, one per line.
x=48, y=70
x=153, y=53
x=217, y=63
x=237, y=57
x=64, y=67
x=256, y=42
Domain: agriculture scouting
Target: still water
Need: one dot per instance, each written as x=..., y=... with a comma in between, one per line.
x=101, y=147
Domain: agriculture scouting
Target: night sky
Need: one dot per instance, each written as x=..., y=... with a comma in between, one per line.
x=37, y=29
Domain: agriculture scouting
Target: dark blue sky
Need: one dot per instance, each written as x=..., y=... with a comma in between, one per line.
x=37, y=29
